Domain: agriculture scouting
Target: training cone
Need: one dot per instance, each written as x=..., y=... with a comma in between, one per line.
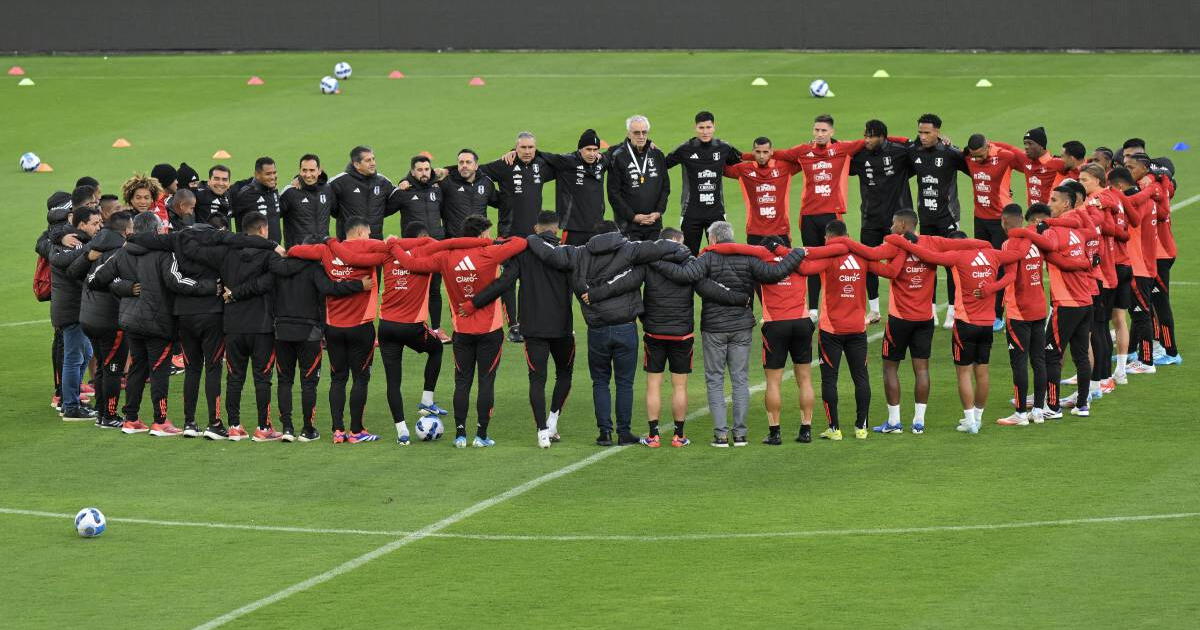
x=121, y=143
x=603, y=144
x=25, y=81
x=830, y=94
x=1181, y=146
x=881, y=74
x=44, y=168
x=396, y=74
x=475, y=81
x=221, y=154
x=759, y=81
x=16, y=71
x=983, y=83
x=254, y=81
x=426, y=154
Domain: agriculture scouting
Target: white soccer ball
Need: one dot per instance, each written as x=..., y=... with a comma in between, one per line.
x=342, y=70
x=329, y=85
x=30, y=162
x=429, y=429
x=818, y=88
x=89, y=522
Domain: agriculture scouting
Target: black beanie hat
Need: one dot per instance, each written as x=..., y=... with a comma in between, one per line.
x=164, y=173
x=589, y=139
x=1038, y=135
x=187, y=175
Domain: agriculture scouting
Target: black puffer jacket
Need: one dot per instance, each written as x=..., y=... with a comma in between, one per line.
x=298, y=288
x=738, y=273
x=58, y=206
x=99, y=308
x=66, y=290
x=544, y=297
x=667, y=296
x=305, y=211
x=362, y=197
x=607, y=259
x=421, y=202
x=240, y=268
x=151, y=312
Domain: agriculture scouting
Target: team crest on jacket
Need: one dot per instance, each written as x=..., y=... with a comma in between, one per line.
x=937, y=161
x=322, y=197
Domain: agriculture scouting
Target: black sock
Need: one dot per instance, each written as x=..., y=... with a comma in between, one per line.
x=679, y=428
x=460, y=428
x=653, y=427
x=482, y=431
x=805, y=429
x=774, y=430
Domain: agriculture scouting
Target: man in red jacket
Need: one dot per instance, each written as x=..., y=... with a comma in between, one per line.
x=478, y=339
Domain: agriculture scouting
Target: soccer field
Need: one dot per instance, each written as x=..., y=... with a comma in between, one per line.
x=1076, y=523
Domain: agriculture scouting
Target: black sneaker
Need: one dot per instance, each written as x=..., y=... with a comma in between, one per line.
x=216, y=432
x=773, y=439
x=805, y=434
x=78, y=414
x=309, y=434
x=289, y=435
x=514, y=334
x=110, y=422
x=740, y=440
x=625, y=439
x=605, y=439
x=190, y=430
x=721, y=442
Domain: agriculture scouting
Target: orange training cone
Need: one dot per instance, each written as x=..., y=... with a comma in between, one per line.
x=44, y=168
x=603, y=144
x=426, y=154
x=16, y=71
x=121, y=143
x=254, y=81
x=396, y=74
x=221, y=154
x=476, y=81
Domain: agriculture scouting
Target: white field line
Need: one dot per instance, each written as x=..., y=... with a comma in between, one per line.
x=1185, y=203
x=424, y=532
x=809, y=533
x=26, y=323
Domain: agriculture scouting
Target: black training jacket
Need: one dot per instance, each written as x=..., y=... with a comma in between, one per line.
x=240, y=266
x=520, y=192
x=298, y=289
x=66, y=290
x=421, y=202
x=578, y=190
x=703, y=168
x=883, y=182
x=151, y=312
x=738, y=273
x=461, y=199
x=637, y=183
x=360, y=197
x=544, y=297
x=667, y=296
x=254, y=197
x=305, y=211
x=936, y=171
x=99, y=308
x=209, y=203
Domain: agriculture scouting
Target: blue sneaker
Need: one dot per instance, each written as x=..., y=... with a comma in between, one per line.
x=482, y=442
x=402, y=440
x=998, y=325
x=889, y=428
x=431, y=410
x=918, y=428
x=460, y=441
x=1167, y=359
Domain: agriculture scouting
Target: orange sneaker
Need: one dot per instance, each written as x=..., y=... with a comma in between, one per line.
x=680, y=441
x=339, y=437
x=266, y=435
x=165, y=429
x=652, y=441
x=441, y=336
x=237, y=433
x=134, y=426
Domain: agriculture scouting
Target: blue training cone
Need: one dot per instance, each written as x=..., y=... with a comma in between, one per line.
x=1181, y=146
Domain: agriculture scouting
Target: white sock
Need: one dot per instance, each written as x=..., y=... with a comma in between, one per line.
x=1120, y=369
x=401, y=429
x=552, y=421
x=874, y=305
x=426, y=398
x=893, y=414
x=950, y=311
x=969, y=414
x=919, y=413
x=979, y=414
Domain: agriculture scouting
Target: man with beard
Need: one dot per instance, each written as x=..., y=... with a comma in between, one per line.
x=360, y=192
x=305, y=205
x=213, y=198
x=418, y=199
x=260, y=197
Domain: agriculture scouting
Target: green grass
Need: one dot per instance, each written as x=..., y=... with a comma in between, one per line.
x=1136, y=456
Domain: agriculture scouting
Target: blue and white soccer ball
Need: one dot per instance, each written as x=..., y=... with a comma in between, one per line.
x=430, y=429
x=89, y=522
x=818, y=88
x=342, y=70
x=30, y=161
x=329, y=85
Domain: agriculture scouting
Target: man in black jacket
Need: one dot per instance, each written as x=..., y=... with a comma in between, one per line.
x=147, y=281
x=65, y=296
x=546, y=323
x=883, y=168
x=98, y=313
x=638, y=186
x=360, y=192
x=935, y=166
x=728, y=329
x=249, y=322
x=213, y=197
x=298, y=289
x=419, y=199
x=606, y=275
x=703, y=159
x=58, y=208
x=466, y=191
x=668, y=333
x=305, y=207
x=579, y=188
x=260, y=197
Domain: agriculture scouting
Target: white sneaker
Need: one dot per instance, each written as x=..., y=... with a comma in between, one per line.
x=1050, y=414
x=552, y=427
x=1069, y=401
x=949, y=323
x=1015, y=420
x=964, y=425
x=872, y=317
x=1074, y=380
x=543, y=438
x=1037, y=416
x=1137, y=367
x=1121, y=379
x=812, y=314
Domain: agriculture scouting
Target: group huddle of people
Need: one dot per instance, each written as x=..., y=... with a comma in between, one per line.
x=179, y=275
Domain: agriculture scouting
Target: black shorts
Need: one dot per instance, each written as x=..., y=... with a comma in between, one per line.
x=757, y=239
x=663, y=352
x=971, y=344
x=784, y=338
x=904, y=335
x=1123, y=294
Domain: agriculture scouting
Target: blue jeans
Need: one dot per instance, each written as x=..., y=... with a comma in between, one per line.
x=77, y=351
x=613, y=349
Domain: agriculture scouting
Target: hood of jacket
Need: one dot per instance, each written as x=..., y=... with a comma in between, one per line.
x=605, y=243
x=58, y=206
x=107, y=240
